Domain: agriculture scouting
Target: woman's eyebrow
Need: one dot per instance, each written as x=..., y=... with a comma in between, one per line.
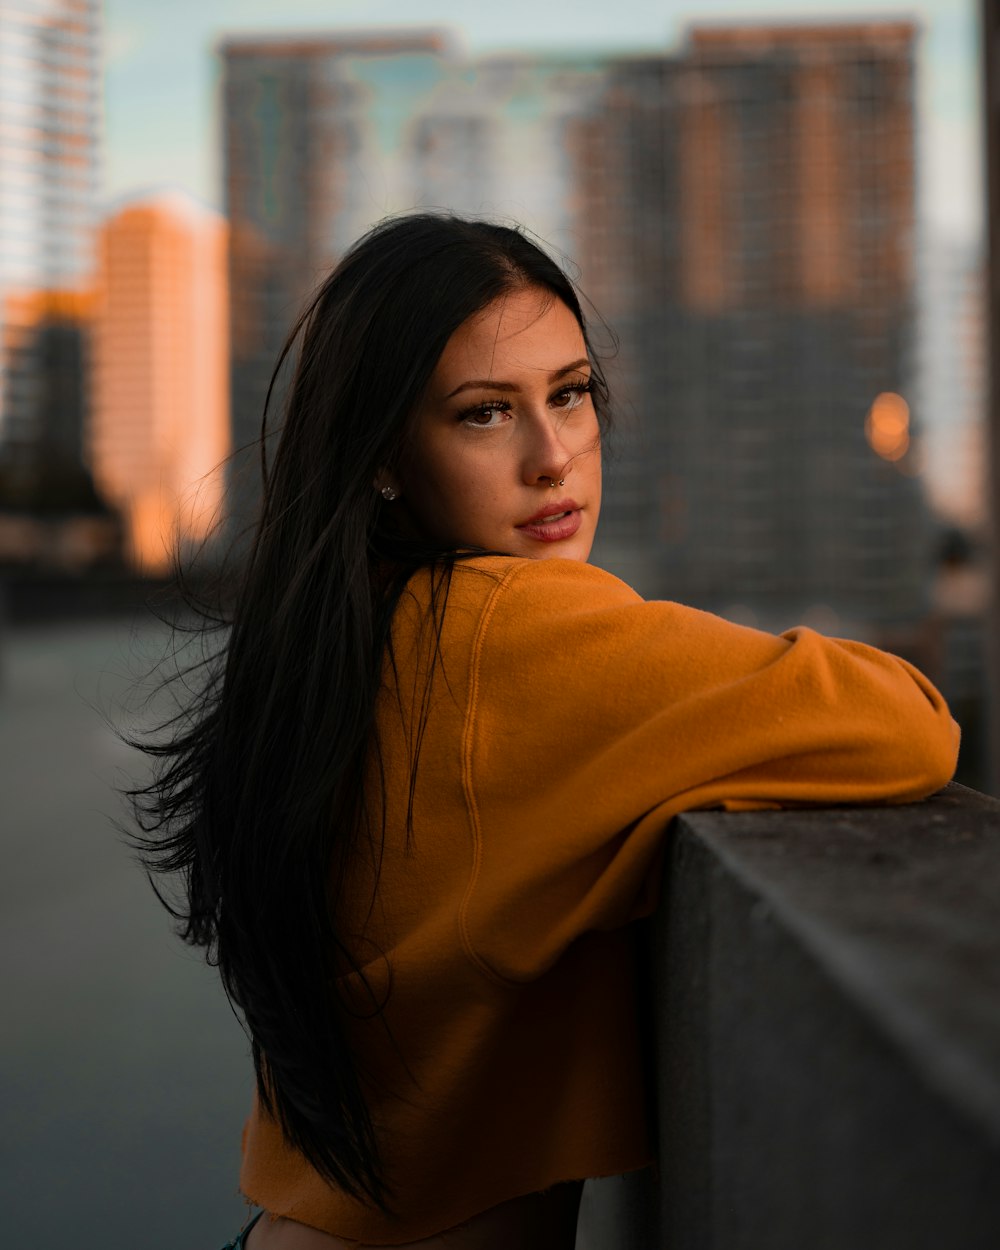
x=492, y=384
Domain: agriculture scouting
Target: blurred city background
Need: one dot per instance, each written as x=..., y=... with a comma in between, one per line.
x=776, y=213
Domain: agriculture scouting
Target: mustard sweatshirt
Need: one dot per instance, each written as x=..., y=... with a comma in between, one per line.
x=568, y=721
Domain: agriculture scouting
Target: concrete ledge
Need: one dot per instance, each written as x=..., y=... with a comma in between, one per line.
x=826, y=994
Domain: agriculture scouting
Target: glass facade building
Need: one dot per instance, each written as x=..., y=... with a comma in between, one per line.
x=50, y=123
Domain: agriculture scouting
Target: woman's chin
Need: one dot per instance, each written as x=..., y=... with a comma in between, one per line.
x=573, y=549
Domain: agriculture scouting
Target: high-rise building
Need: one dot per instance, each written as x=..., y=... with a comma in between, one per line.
x=50, y=109
x=953, y=377
x=44, y=342
x=160, y=418
x=742, y=214
x=767, y=212
x=313, y=153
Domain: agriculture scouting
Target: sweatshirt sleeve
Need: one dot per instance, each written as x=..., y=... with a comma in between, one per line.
x=595, y=717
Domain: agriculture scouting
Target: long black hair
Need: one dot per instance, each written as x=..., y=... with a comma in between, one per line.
x=255, y=795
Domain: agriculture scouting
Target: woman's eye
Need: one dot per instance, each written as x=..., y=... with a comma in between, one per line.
x=487, y=416
x=571, y=396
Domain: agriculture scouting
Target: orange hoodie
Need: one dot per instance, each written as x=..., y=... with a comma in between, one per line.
x=567, y=722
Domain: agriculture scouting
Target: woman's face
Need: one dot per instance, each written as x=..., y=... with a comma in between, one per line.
x=506, y=452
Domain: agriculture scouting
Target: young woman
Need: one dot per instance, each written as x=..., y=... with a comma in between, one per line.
x=426, y=796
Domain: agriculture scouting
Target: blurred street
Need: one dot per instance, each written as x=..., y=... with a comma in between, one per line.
x=125, y=1078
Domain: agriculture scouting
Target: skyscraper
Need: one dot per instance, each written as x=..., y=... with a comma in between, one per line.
x=160, y=414
x=49, y=151
x=742, y=214
x=312, y=154
x=768, y=203
x=953, y=360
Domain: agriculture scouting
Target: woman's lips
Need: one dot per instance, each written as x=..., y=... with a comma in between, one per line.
x=554, y=523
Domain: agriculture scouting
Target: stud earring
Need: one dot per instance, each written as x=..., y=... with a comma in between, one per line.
x=388, y=494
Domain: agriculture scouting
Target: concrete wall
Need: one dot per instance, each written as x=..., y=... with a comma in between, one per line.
x=825, y=993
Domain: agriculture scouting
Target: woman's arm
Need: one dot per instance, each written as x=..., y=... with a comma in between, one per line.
x=595, y=717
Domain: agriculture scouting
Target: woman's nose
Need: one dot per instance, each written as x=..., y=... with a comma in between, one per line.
x=546, y=460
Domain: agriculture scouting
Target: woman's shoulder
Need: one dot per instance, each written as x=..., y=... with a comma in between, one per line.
x=511, y=604
x=523, y=582
x=503, y=587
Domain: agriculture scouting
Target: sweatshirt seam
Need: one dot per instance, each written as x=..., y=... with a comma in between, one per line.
x=481, y=964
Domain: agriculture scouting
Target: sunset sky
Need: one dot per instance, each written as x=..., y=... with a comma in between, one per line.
x=162, y=116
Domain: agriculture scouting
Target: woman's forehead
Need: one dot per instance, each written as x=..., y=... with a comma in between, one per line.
x=525, y=329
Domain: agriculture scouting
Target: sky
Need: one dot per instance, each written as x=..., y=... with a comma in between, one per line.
x=161, y=107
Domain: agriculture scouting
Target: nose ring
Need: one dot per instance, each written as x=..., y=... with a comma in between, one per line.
x=553, y=483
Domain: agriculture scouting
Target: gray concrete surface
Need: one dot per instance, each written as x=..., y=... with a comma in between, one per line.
x=124, y=1078
x=826, y=986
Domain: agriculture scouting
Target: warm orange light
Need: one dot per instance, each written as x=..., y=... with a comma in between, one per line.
x=887, y=426
x=160, y=419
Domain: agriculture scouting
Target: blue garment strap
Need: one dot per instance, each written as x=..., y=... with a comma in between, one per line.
x=239, y=1242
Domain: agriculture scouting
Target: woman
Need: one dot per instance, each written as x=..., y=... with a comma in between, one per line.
x=427, y=795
